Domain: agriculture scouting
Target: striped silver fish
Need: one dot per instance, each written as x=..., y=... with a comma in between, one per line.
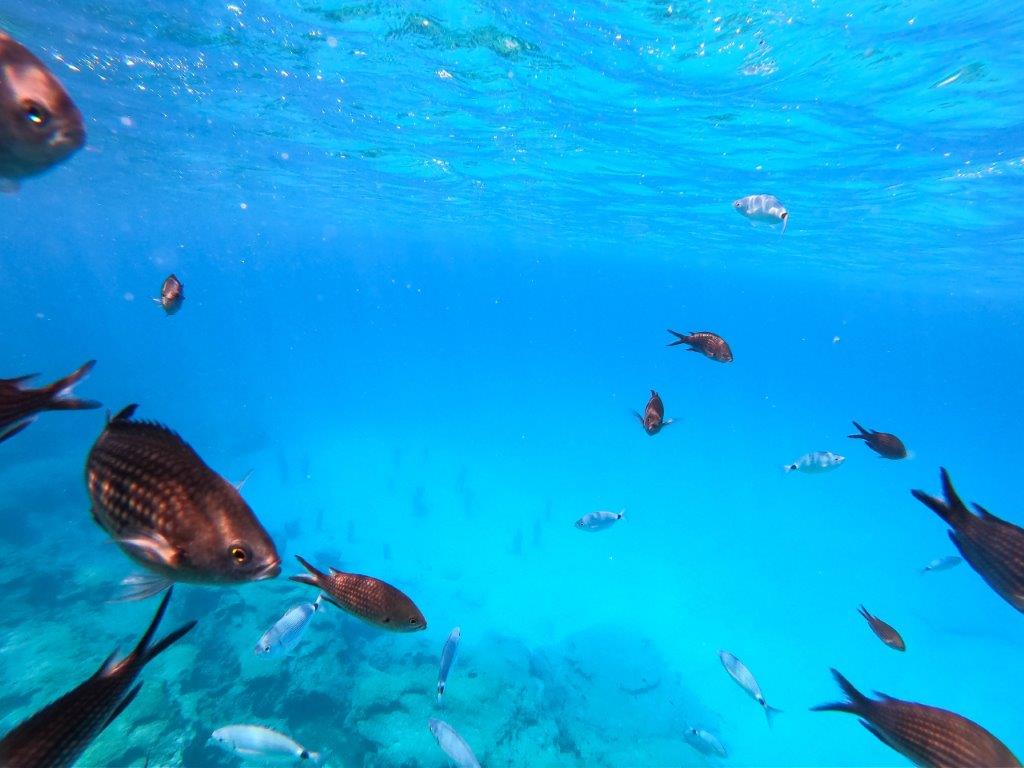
x=745, y=679
x=927, y=736
x=762, y=208
x=286, y=632
x=451, y=647
x=256, y=741
x=19, y=406
x=452, y=744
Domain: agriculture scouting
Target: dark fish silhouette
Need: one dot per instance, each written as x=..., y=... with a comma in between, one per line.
x=885, y=633
x=39, y=124
x=172, y=295
x=707, y=343
x=18, y=406
x=170, y=512
x=372, y=600
x=59, y=733
x=927, y=736
x=885, y=445
x=990, y=545
x=654, y=415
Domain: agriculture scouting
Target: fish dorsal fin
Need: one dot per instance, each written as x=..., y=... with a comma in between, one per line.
x=124, y=414
x=334, y=571
x=985, y=513
x=243, y=481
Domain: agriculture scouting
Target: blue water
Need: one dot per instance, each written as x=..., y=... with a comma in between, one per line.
x=429, y=254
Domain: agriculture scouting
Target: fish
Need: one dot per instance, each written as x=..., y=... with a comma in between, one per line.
x=815, y=462
x=172, y=295
x=762, y=208
x=170, y=513
x=60, y=732
x=704, y=742
x=451, y=647
x=372, y=600
x=991, y=546
x=40, y=126
x=942, y=564
x=286, y=632
x=257, y=741
x=738, y=671
x=599, y=521
x=708, y=344
x=19, y=406
x=927, y=736
x=885, y=633
x=884, y=444
x=452, y=744
x=654, y=415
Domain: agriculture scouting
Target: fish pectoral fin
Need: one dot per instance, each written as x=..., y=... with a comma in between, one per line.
x=152, y=547
x=139, y=586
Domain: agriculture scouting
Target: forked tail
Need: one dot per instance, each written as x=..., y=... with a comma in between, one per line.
x=952, y=510
x=857, y=703
x=60, y=395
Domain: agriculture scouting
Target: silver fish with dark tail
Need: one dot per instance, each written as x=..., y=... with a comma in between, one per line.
x=59, y=733
x=19, y=406
x=282, y=638
x=927, y=736
x=170, y=512
x=451, y=647
x=452, y=744
x=40, y=126
x=745, y=679
x=991, y=546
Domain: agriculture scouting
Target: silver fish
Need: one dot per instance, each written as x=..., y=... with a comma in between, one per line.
x=762, y=208
x=942, y=563
x=451, y=647
x=738, y=671
x=599, y=521
x=452, y=744
x=704, y=742
x=282, y=638
x=815, y=462
x=257, y=741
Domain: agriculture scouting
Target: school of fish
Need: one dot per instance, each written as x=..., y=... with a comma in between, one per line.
x=180, y=521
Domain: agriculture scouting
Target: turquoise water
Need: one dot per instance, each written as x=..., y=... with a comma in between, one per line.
x=421, y=308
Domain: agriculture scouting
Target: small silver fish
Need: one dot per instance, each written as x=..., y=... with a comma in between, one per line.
x=738, y=671
x=451, y=647
x=815, y=462
x=282, y=638
x=704, y=742
x=452, y=744
x=943, y=563
x=762, y=208
x=599, y=521
x=257, y=741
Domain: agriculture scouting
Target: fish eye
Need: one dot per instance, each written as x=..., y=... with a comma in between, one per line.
x=414, y=621
x=240, y=555
x=36, y=114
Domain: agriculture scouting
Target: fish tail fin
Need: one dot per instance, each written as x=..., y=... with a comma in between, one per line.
x=952, y=510
x=60, y=392
x=864, y=612
x=857, y=703
x=681, y=338
x=862, y=433
x=622, y=514
x=787, y=468
x=785, y=221
x=144, y=653
x=314, y=577
x=14, y=430
x=313, y=757
x=316, y=603
x=770, y=713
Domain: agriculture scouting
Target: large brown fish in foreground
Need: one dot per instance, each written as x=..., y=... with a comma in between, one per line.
x=927, y=736
x=990, y=545
x=170, y=512
x=372, y=600
x=708, y=344
x=654, y=415
x=885, y=633
x=39, y=124
x=886, y=445
x=18, y=406
x=59, y=733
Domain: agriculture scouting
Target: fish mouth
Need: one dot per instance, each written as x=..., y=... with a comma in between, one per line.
x=70, y=139
x=269, y=571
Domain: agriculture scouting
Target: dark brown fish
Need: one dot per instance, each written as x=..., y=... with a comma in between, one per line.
x=654, y=415
x=708, y=344
x=18, y=406
x=885, y=445
x=59, y=733
x=927, y=736
x=372, y=600
x=39, y=124
x=885, y=633
x=991, y=546
x=170, y=512
x=172, y=295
